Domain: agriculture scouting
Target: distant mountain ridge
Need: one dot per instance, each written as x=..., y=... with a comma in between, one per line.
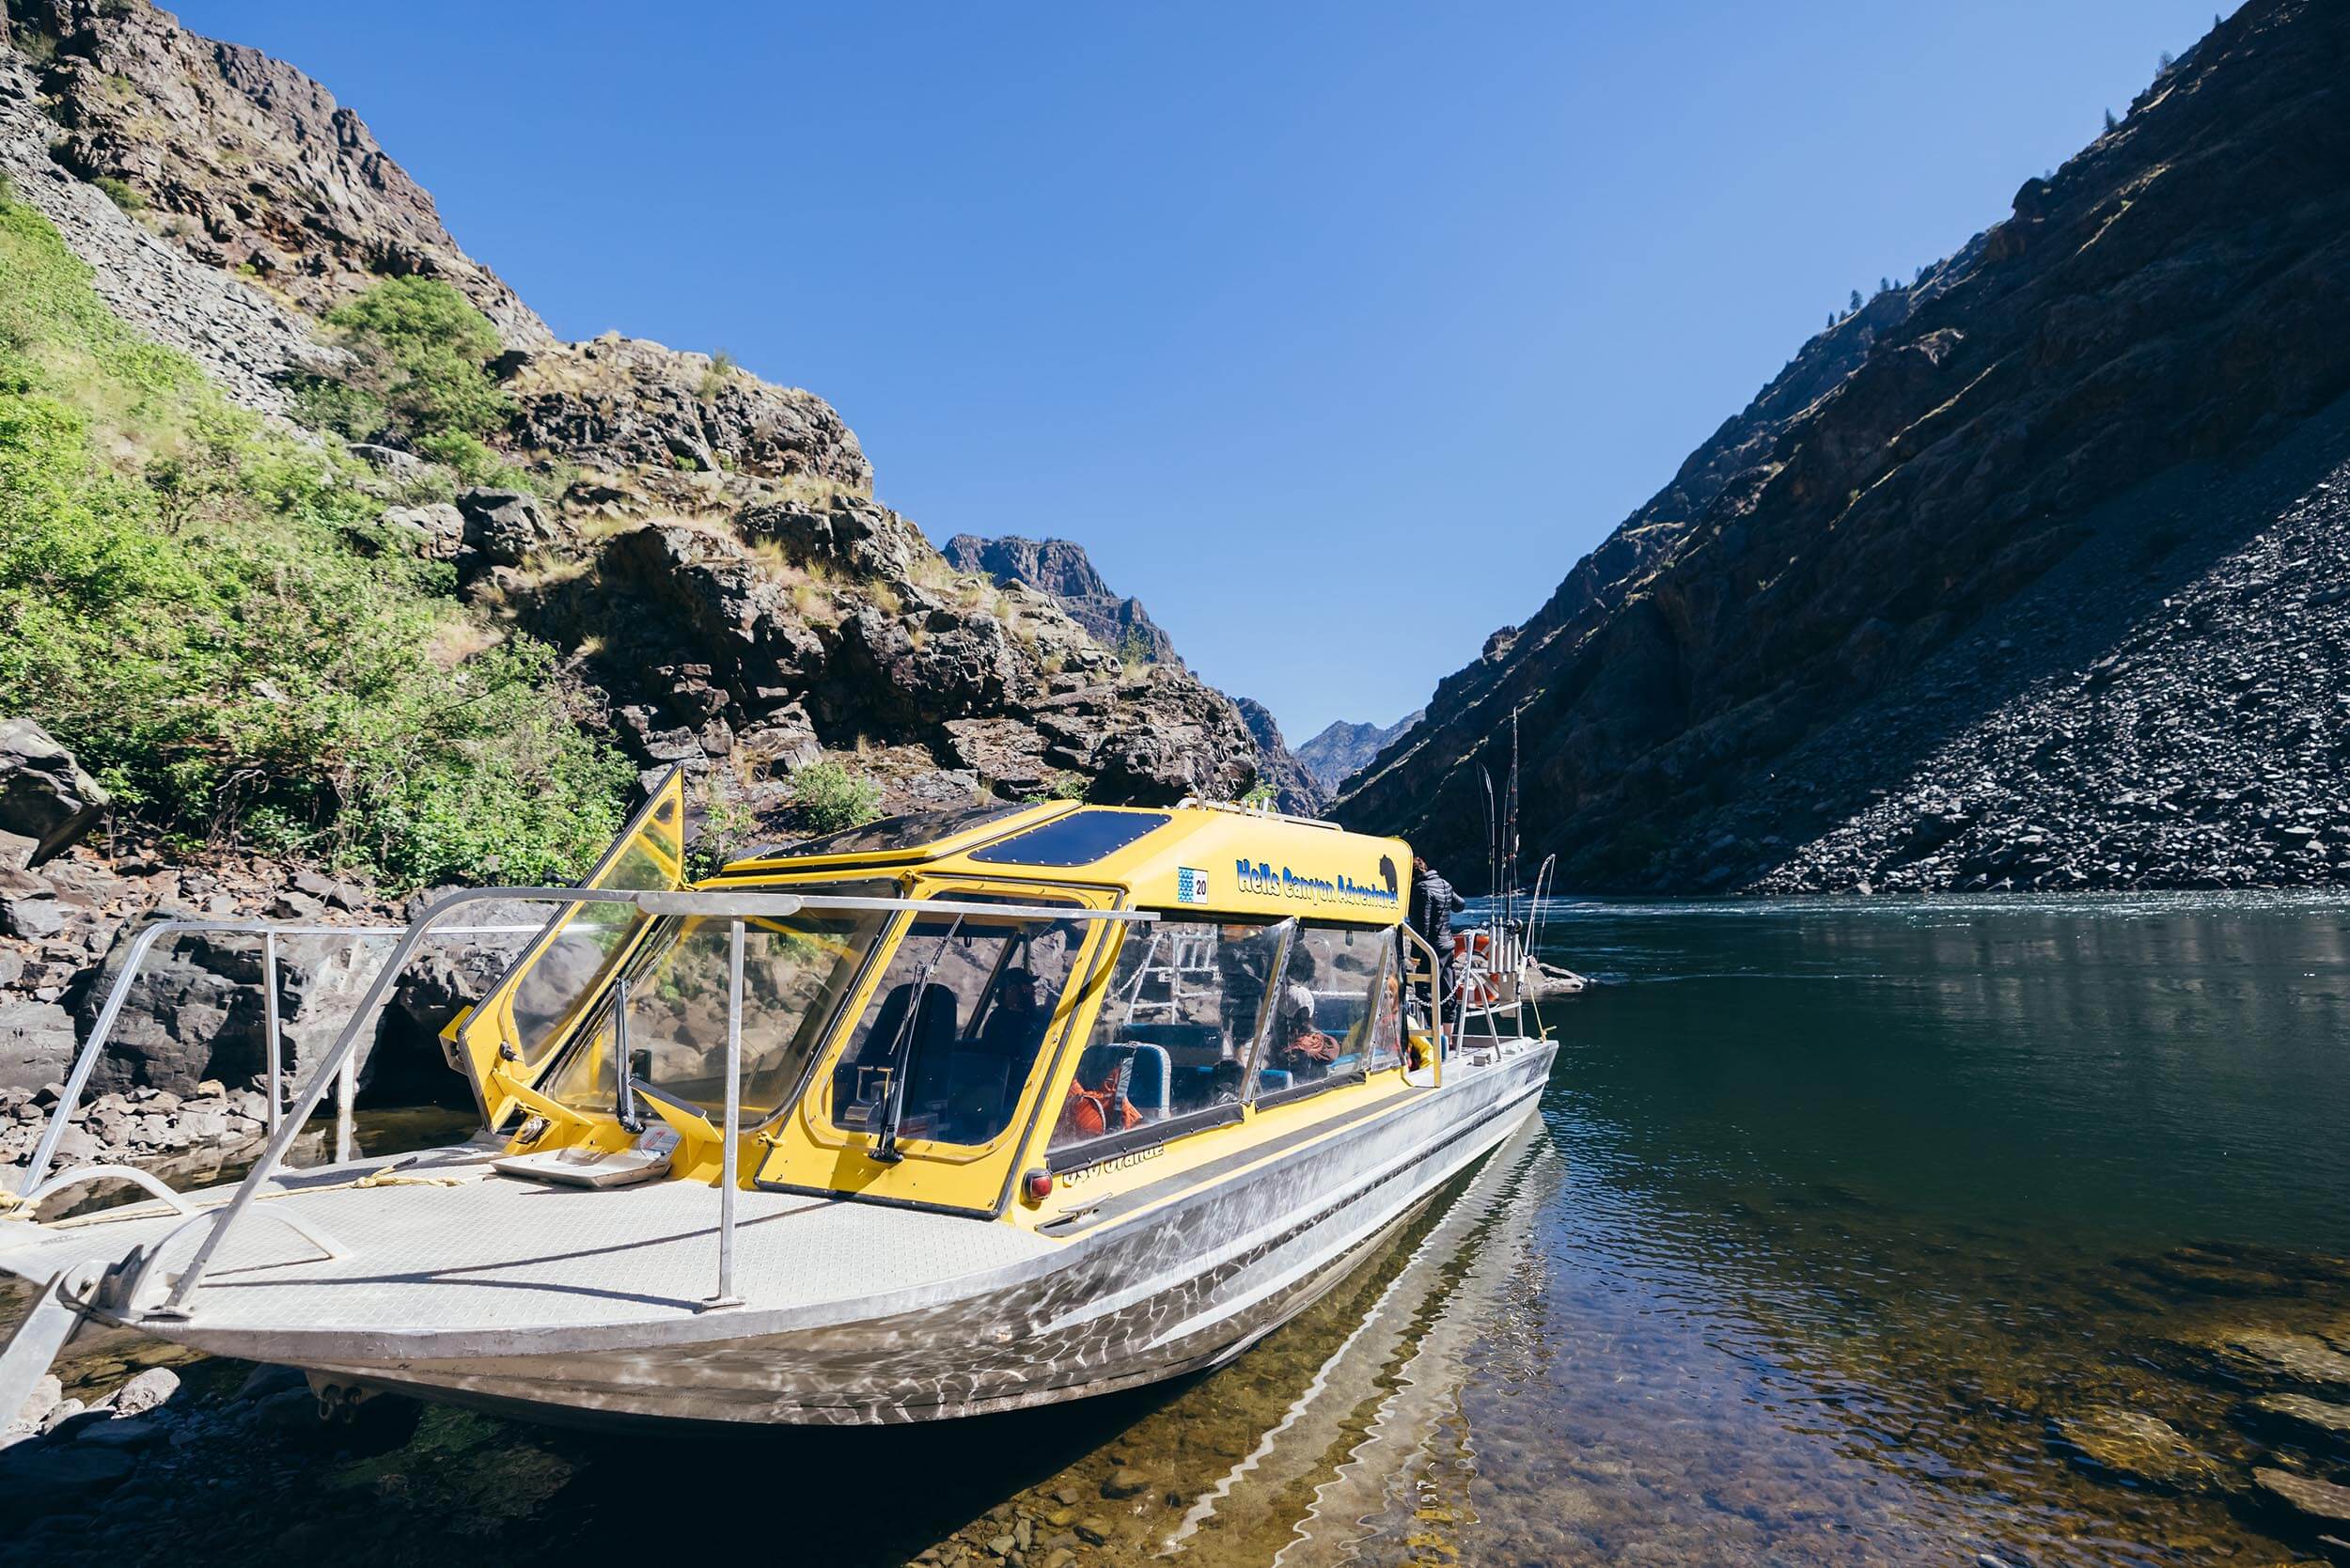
x=2028, y=575
x=1341, y=748
x=1062, y=569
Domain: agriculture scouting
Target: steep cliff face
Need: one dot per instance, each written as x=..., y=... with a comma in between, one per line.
x=1279, y=769
x=1977, y=498
x=248, y=164
x=1063, y=571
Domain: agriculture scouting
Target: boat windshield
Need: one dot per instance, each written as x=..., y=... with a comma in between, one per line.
x=795, y=971
x=955, y=1023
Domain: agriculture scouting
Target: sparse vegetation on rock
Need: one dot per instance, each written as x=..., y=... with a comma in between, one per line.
x=192, y=602
x=829, y=797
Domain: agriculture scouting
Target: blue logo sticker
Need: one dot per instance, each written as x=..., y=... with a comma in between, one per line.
x=1191, y=886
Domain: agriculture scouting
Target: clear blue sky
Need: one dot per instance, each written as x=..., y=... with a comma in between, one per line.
x=1338, y=332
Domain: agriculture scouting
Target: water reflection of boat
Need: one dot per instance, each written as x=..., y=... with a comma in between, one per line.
x=949, y=1115
x=1341, y=1464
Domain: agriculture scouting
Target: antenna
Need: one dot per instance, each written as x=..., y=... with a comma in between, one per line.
x=1510, y=828
x=1493, y=840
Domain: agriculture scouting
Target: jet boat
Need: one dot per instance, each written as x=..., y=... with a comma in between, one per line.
x=944, y=1115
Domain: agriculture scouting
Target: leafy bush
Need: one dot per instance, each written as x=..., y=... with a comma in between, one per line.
x=828, y=797
x=122, y=194
x=419, y=378
x=424, y=349
x=1060, y=784
x=727, y=829
x=180, y=604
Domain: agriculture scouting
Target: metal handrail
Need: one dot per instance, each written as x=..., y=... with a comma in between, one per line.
x=1435, y=1002
x=734, y=908
x=61, y=1116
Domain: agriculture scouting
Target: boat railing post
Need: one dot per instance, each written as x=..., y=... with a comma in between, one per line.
x=1435, y=1002
x=271, y=1037
x=733, y=1131
x=61, y=1114
x=346, y=1117
x=224, y=1219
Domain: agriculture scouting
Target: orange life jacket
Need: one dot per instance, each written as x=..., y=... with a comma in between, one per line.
x=1089, y=1113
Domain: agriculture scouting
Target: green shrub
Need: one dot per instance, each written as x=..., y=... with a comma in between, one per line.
x=728, y=828
x=828, y=797
x=179, y=604
x=1060, y=785
x=326, y=403
x=715, y=379
x=419, y=378
x=120, y=193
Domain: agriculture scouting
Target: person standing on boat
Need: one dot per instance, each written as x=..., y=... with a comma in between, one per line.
x=1434, y=901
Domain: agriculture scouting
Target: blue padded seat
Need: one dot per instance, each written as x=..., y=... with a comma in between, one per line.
x=1145, y=1090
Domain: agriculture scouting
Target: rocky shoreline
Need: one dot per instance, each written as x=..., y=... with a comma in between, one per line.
x=183, y=1085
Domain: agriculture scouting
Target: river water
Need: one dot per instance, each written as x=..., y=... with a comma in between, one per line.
x=1851, y=1233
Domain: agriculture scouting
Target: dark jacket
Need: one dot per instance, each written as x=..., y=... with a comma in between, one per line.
x=1435, y=902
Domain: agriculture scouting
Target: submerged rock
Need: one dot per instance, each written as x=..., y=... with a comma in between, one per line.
x=47, y=1478
x=2309, y=1412
x=2135, y=1445
x=2301, y=1357
x=2319, y=1499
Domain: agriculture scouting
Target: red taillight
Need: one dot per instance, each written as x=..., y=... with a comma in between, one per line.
x=1039, y=1185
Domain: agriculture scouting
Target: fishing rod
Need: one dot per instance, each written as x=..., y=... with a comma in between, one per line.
x=1509, y=830
x=1493, y=840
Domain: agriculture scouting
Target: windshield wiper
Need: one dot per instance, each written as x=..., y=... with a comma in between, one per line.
x=900, y=1059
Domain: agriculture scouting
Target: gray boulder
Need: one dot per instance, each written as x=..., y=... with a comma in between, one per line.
x=36, y=1043
x=44, y=795
x=506, y=525
x=195, y=1013
x=437, y=530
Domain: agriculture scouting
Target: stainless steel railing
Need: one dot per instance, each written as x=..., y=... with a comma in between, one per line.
x=1436, y=1000
x=734, y=908
x=142, y=945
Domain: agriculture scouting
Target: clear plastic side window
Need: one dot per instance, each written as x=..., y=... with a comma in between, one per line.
x=673, y=1029
x=567, y=970
x=1327, y=1015
x=1179, y=1024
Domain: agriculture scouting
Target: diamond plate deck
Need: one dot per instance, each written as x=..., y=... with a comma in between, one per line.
x=495, y=1254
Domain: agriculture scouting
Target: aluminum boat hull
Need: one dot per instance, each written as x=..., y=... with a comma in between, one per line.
x=1161, y=1280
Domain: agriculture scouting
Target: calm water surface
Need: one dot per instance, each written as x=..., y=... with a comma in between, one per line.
x=1897, y=1232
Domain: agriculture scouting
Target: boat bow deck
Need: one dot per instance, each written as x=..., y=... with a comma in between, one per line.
x=454, y=1253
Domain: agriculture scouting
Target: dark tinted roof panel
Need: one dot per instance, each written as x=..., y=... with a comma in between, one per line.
x=911, y=831
x=1080, y=839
